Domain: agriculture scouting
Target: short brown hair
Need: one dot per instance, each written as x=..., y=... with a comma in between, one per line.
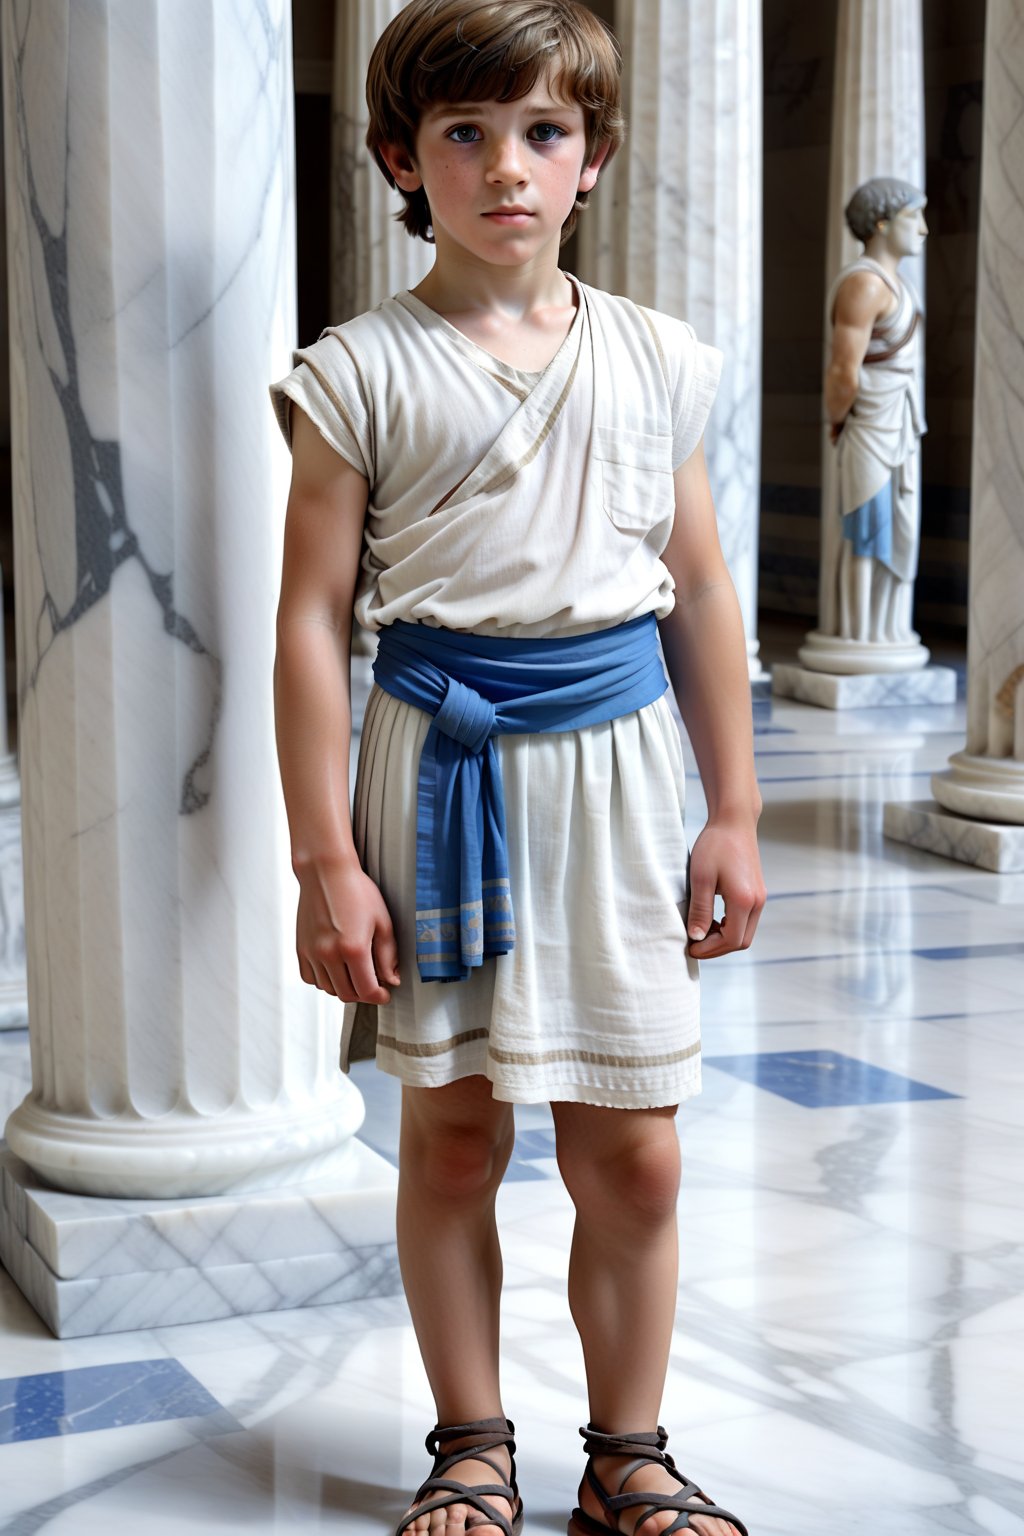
x=436, y=51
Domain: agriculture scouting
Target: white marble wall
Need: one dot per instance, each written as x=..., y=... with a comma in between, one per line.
x=987, y=780
x=372, y=256
x=150, y=201
x=877, y=130
x=675, y=223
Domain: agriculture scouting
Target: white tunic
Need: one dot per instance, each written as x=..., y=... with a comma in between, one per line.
x=527, y=504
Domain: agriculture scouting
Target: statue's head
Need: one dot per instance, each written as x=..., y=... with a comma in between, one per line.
x=891, y=211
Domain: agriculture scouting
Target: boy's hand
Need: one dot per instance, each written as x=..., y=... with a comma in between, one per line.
x=344, y=936
x=724, y=860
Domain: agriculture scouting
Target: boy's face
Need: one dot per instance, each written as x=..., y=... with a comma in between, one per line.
x=487, y=155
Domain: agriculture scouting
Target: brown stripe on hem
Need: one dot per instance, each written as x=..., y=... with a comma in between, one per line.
x=591, y=1058
x=536, y=1058
x=431, y=1048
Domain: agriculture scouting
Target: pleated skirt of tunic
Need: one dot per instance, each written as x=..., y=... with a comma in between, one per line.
x=598, y=1003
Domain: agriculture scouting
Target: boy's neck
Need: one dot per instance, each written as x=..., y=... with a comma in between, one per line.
x=464, y=287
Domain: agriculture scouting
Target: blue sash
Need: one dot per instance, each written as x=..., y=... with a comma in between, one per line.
x=478, y=687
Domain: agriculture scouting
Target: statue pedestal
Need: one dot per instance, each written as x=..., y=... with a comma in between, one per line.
x=89, y=1265
x=985, y=844
x=863, y=690
x=829, y=653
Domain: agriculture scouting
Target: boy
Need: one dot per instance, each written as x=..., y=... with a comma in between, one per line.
x=501, y=470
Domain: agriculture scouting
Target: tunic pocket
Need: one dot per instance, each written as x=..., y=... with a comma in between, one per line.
x=637, y=487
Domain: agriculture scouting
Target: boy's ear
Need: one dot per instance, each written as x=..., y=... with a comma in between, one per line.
x=588, y=175
x=402, y=166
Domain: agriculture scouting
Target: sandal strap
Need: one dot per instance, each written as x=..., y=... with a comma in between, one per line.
x=486, y=1435
x=646, y=1448
x=489, y=1435
x=504, y=1429
x=453, y=1492
x=646, y=1444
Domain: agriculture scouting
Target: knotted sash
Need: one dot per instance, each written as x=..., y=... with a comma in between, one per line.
x=478, y=687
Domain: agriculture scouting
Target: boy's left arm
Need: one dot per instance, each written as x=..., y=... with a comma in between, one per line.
x=706, y=656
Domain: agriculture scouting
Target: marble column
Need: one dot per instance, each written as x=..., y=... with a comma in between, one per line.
x=675, y=223
x=980, y=813
x=13, y=993
x=372, y=256
x=877, y=130
x=175, y=1052
x=13, y=990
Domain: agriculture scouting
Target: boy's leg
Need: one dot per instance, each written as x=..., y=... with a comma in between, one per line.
x=454, y=1148
x=621, y=1168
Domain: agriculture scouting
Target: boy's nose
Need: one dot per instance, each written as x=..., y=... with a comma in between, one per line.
x=506, y=159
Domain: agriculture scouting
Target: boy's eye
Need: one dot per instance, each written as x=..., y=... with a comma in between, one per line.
x=469, y=128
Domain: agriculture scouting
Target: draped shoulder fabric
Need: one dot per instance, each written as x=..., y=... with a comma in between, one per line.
x=877, y=447
x=503, y=501
x=519, y=504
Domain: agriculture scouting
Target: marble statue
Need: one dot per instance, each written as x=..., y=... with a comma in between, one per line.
x=874, y=407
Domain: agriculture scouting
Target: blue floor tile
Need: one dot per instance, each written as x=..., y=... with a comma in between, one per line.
x=970, y=951
x=100, y=1397
x=820, y=1079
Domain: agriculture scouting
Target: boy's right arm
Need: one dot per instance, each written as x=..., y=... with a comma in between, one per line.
x=344, y=936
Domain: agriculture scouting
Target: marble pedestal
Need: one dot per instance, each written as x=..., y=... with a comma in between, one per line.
x=925, y=825
x=864, y=690
x=91, y=1266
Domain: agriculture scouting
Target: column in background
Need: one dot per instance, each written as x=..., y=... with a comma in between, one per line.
x=678, y=227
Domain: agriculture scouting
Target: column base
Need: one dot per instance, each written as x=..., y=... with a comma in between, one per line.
x=985, y=844
x=989, y=788
x=933, y=685
x=186, y=1155
x=91, y=1266
x=830, y=653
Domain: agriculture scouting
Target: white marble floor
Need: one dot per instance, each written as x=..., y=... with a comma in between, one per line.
x=850, y=1330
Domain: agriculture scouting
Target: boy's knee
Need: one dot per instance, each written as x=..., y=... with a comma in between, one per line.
x=456, y=1163
x=636, y=1184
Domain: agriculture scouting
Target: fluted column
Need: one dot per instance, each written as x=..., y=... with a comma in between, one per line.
x=372, y=256
x=877, y=130
x=979, y=818
x=13, y=996
x=987, y=779
x=676, y=224
x=150, y=191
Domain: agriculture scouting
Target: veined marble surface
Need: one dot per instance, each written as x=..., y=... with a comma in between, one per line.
x=848, y=1347
x=151, y=240
x=836, y=690
x=988, y=844
x=90, y=1265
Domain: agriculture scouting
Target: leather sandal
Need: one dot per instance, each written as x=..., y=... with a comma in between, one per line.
x=642, y=1449
x=491, y=1433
